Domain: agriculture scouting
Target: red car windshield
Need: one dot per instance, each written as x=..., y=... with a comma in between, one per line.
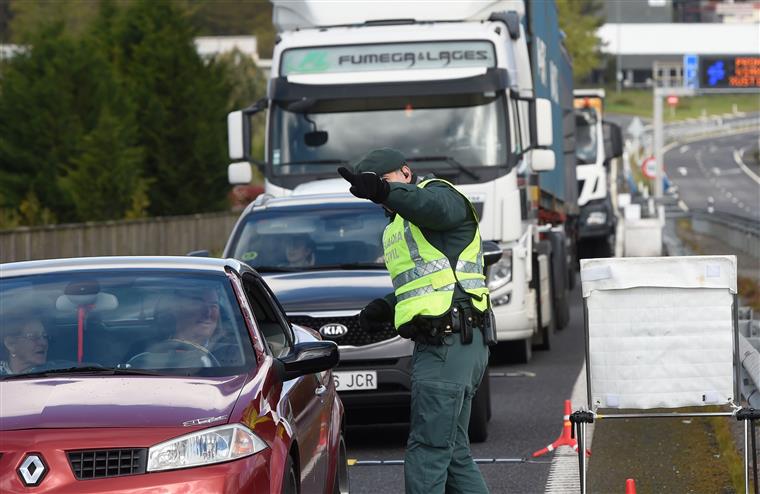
x=122, y=322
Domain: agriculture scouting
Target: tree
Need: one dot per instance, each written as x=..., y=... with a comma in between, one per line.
x=27, y=16
x=580, y=19
x=105, y=179
x=48, y=101
x=181, y=107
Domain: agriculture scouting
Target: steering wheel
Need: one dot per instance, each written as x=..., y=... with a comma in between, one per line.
x=179, y=348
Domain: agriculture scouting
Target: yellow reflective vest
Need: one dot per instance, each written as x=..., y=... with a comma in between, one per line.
x=423, y=279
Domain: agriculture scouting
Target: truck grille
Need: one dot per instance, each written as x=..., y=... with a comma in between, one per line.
x=355, y=336
x=101, y=463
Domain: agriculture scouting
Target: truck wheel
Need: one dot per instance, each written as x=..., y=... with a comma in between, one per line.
x=543, y=337
x=519, y=351
x=478, y=429
x=559, y=281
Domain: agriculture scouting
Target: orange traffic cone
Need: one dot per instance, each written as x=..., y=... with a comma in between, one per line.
x=630, y=486
x=565, y=438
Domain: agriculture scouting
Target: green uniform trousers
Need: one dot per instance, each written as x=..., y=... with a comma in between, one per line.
x=444, y=381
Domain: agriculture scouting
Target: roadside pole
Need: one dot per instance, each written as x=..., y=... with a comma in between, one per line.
x=658, y=129
x=658, y=142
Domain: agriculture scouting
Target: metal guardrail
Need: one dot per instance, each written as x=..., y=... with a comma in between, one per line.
x=739, y=232
x=713, y=125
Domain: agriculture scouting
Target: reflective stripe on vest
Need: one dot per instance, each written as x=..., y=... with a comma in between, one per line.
x=423, y=279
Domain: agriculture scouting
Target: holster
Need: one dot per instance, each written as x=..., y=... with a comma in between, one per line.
x=489, y=328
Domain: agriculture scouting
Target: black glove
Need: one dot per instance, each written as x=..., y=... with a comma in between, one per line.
x=366, y=185
x=374, y=316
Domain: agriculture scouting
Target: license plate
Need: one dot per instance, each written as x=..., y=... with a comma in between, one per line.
x=355, y=380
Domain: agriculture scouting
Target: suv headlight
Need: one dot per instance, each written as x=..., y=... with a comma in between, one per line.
x=215, y=445
x=500, y=274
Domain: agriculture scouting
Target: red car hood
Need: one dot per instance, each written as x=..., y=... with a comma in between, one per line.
x=134, y=401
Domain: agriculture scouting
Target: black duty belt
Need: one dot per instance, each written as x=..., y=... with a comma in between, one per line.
x=433, y=330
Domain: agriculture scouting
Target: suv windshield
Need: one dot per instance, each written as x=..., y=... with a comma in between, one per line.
x=301, y=239
x=468, y=128
x=121, y=322
x=585, y=135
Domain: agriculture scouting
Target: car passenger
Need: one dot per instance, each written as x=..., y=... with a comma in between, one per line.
x=25, y=343
x=299, y=251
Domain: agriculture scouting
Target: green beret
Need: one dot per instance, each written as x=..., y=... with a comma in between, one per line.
x=380, y=161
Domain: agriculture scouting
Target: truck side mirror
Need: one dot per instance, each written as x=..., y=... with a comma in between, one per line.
x=613, y=140
x=543, y=135
x=239, y=130
x=239, y=173
x=238, y=135
x=542, y=160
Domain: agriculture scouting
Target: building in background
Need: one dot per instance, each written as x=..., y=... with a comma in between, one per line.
x=639, y=33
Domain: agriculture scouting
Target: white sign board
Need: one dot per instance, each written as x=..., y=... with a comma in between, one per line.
x=660, y=331
x=389, y=56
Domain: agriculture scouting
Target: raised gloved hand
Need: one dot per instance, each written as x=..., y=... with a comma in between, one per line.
x=366, y=185
x=374, y=316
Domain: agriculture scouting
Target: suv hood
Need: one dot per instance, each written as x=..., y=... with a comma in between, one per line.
x=328, y=290
x=110, y=401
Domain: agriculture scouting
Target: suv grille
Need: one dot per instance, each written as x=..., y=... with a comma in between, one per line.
x=356, y=336
x=100, y=463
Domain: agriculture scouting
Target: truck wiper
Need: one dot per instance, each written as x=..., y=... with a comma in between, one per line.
x=315, y=162
x=448, y=160
x=84, y=369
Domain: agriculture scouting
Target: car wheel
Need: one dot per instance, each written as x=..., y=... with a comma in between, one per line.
x=340, y=486
x=478, y=429
x=290, y=480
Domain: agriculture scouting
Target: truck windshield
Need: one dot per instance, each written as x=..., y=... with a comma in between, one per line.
x=586, y=135
x=469, y=129
x=305, y=240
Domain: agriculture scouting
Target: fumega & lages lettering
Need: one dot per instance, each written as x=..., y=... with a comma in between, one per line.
x=412, y=58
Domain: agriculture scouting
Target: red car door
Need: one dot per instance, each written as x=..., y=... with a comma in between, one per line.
x=306, y=396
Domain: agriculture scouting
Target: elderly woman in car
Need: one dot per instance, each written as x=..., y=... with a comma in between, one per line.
x=24, y=343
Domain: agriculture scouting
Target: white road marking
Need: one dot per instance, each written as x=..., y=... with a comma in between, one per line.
x=734, y=200
x=683, y=206
x=711, y=199
x=716, y=170
x=738, y=160
x=683, y=171
x=683, y=149
x=729, y=195
x=564, y=476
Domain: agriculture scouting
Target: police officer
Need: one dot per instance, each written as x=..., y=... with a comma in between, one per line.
x=433, y=253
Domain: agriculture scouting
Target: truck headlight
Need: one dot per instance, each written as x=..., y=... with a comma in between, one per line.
x=215, y=445
x=596, y=218
x=500, y=273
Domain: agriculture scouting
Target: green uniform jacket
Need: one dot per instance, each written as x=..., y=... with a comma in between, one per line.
x=443, y=216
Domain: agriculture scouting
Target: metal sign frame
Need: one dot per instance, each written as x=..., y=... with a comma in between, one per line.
x=588, y=414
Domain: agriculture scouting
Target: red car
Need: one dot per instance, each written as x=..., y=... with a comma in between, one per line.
x=164, y=374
